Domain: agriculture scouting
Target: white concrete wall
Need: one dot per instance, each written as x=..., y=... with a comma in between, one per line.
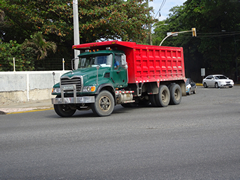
x=27, y=85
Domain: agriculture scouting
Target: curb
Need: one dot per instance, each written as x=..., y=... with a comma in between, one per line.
x=6, y=112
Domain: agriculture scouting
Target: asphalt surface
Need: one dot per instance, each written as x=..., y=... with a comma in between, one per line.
x=198, y=139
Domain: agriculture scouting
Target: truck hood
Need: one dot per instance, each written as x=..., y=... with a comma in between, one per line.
x=80, y=72
x=89, y=74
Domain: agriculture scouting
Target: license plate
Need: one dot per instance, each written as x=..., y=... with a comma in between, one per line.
x=67, y=100
x=68, y=88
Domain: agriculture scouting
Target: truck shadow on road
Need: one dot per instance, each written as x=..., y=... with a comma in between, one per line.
x=118, y=110
x=89, y=113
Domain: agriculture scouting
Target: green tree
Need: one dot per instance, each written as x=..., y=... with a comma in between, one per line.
x=1, y=15
x=97, y=19
x=217, y=21
x=24, y=60
x=218, y=28
x=40, y=45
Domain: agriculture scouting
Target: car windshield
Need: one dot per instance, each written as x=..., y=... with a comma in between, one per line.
x=94, y=61
x=187, y=81
x=220, y=77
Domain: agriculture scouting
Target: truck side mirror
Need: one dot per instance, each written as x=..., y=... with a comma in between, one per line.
x=124, y=61
x=74, y=63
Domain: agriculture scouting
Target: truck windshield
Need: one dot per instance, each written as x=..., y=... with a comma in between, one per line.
x=94, y=61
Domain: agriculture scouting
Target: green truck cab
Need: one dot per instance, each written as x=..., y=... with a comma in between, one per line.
x=99, y=72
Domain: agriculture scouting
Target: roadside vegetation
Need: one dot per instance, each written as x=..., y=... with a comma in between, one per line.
x=25, y=24
x=217, y=45
x=22, y=20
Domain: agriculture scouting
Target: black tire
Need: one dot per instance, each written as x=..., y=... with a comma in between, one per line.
x=104, y=104
x=216, y=85
x=64, y=110
x=230, y=86
x=163, y=97
x=195, y=91
x=205, y=85
x=152, y=100
x=175, y=94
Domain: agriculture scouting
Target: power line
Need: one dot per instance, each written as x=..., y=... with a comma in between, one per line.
x=163, y=3
x=226, y=33
x=219, y=34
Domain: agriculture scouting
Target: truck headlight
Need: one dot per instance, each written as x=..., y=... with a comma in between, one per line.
x=89, y=88
x=56, y=90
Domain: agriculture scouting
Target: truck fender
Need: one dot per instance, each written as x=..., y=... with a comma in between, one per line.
x=108, y=87
x=104, y=86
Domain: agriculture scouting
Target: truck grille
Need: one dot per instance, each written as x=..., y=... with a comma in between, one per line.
x=74, y=80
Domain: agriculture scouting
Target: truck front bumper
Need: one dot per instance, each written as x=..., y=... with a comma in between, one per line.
x=74, y=100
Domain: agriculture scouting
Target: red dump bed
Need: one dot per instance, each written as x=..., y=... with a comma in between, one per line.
x=146, y=63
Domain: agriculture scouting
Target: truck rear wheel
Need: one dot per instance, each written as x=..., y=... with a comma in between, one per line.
x=104, y=104
x=163, y=97
x=175, y=94
x=64, y=110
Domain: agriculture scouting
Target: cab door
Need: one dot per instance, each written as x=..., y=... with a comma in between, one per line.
x=119, y=73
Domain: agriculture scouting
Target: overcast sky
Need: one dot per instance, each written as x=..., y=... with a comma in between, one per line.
x=156, y=4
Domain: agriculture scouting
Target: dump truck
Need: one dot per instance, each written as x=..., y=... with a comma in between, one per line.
x=118, y=72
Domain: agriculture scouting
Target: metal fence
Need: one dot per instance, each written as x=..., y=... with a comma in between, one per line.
x=53, y=64
x=47, y=64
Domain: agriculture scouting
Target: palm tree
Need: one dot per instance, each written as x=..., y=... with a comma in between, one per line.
x=2, y=14
x=40, y=45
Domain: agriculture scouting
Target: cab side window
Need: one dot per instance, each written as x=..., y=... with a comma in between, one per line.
x=117, y=60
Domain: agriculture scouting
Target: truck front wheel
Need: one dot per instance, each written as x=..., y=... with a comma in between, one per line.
x=163, y=97
x=104, y=104
x=64, y=110
x=175, y=94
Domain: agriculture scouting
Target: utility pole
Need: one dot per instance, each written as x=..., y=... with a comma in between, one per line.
x=149, y=27
x=76, y=32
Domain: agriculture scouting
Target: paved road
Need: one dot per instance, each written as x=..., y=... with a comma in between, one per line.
x=198, y=139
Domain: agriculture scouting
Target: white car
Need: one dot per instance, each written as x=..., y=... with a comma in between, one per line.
x=217, y=81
